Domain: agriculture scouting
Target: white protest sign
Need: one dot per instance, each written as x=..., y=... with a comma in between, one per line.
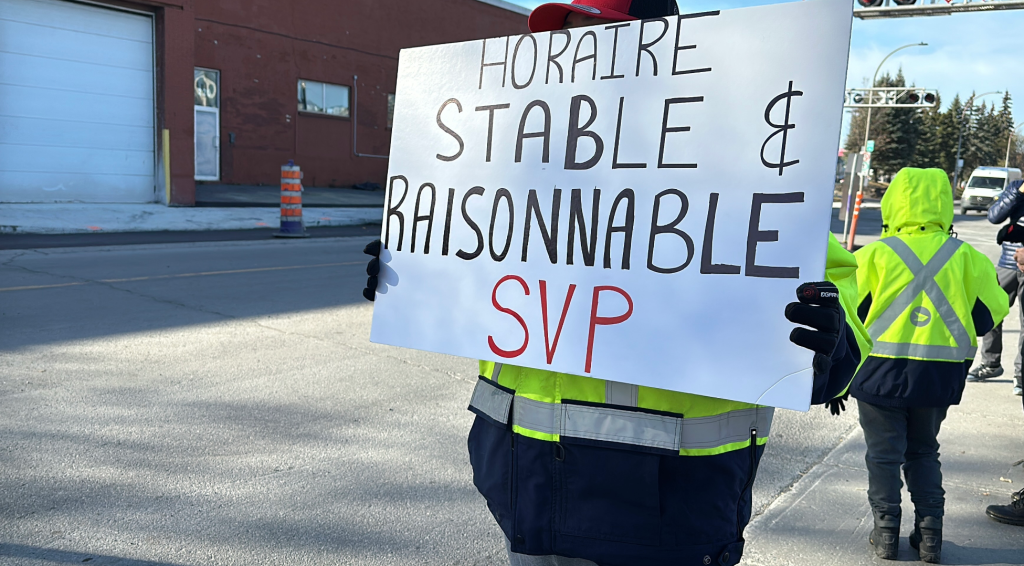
x=635, y=201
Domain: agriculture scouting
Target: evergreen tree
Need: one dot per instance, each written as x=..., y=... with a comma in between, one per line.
x=950, y=128
x=931, y=145
x=897, y=136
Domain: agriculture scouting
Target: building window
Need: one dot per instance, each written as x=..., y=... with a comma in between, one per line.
x=391, y=110
x=323, y=98
x=204, y=88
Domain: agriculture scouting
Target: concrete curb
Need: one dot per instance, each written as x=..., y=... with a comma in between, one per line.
x=71, y=218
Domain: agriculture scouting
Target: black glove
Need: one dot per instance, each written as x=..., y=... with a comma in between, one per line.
x=819, y=308
x=372, y=269
x=838, y=405
x=1010, y=233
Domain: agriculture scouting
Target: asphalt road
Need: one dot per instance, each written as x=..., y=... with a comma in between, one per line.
x=220, y=403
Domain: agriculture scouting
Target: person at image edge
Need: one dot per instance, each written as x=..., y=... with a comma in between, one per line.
x=565, y=500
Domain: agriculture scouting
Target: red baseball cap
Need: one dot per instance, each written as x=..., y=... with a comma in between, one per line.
x=550, y=17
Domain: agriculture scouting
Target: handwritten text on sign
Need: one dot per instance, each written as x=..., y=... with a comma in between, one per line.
x=635, y=201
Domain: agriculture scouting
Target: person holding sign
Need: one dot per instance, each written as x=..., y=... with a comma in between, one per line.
x=578, y=470
x=924, y=296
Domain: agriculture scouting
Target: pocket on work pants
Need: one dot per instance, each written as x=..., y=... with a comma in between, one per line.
x=608, y=493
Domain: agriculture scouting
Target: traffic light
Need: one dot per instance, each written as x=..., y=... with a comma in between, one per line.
x=904, y=2
x=916, y=96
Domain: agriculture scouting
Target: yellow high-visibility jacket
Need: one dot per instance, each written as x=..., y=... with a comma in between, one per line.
x=924, y=297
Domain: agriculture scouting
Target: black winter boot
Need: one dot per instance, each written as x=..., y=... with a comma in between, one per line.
x=1012, y=514
x=927, y=538
x=886, y=537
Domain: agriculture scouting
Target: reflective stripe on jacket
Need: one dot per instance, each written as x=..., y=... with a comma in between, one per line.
x=925, y=297
x=627, y=475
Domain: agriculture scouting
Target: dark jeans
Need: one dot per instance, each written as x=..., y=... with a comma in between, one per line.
x=992, y=344
x=907, y=437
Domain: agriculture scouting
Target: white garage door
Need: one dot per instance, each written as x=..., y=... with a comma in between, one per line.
x=76, y=103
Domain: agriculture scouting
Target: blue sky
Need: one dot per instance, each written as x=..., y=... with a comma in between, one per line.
x=977, y=52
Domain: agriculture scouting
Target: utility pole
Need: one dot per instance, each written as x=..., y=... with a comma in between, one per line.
x=1006, y=162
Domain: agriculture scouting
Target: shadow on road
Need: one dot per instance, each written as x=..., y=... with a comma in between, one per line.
x=68, y=557
x=67, y=295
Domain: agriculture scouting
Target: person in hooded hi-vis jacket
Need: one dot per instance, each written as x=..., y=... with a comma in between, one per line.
x=924, y=297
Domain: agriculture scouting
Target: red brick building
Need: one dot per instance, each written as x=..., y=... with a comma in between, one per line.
x=238, y=87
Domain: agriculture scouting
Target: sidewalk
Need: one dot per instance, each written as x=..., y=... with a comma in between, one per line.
x=825, y=518
x=69, y=218
x=216, y=195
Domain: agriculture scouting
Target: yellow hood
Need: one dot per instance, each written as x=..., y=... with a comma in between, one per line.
x=917, y=201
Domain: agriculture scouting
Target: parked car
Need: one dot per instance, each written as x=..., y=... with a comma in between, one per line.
x=984, y=187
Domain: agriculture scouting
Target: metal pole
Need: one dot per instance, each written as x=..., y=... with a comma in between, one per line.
x=1006, y=161
x=355, y=121
x=956, y=164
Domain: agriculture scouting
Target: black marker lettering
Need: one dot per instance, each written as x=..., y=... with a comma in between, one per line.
x=472, y=226
x=501, y=194
x=577, y=59
x=490, y=125
x=393, y=211
x=666, y=130
x=706, y=265
x=545, y=133
x=552, y=57
x=615, y=151
x=449, y=131
x=626, y=228
x=428, y=218
x=576, y=132
x=678, y=48
x=503, y=64
x=615, y=48
x=533, y=67
x=646, y=47
x=550, y=238
x=588, y=246
x=448, y=222
x=756, y=235
x=670, y=228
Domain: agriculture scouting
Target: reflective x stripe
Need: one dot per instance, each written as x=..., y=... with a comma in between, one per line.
x=617, y=425
x=924, y=281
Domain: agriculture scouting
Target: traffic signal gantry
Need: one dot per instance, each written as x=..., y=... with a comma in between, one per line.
x=878, y=97
x=891, y=97
x=878, y=9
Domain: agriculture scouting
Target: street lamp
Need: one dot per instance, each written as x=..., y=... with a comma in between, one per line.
x=1006, y=162
x=867, y=132
x=960, y=138
x=867, y=127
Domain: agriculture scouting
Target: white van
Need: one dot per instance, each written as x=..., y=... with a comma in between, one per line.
x=985, y=185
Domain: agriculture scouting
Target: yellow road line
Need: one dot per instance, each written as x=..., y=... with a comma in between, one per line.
x=198, y=274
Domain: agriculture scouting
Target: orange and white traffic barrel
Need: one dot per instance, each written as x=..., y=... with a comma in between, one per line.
x=292, y=225
x=853, y=223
